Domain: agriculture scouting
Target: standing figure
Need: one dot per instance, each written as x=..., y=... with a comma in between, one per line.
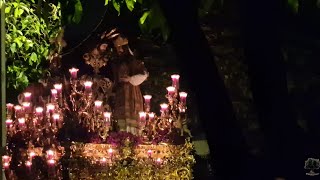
x=129, y=73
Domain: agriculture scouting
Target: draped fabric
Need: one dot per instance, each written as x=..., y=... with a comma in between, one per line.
x=128, y=97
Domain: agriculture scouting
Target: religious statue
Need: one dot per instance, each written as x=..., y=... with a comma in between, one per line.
x=129, y=73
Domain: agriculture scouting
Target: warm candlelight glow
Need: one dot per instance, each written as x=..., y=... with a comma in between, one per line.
x=17, y=107
x=175, y=81
x=151, y=116
x=88, y=84
x=27, y=96
x=73, y=71
x=159, y=160
x=22, y=120
x=28, y=163
x=149, y=152
x=147, y=98
x=142, y=115
x=39, y=110
x=51, y=161
x=164, y=106
x=58, y=87
x=9, y=121
x=171, y=89
x=6, y=164
x=26, y=105
x=103, y=160
x=56, y=116
x=54, y=93
x=97, y=104
x=50, y=152
x=10, y=107
x=110, y=150
x=183, y=96
x=32, y=154
x=5, y=158
x=50, y=107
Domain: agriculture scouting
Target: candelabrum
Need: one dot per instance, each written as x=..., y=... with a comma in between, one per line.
x=172, y=114
x=32, y=131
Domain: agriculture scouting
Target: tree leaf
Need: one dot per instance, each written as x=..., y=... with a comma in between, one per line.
x=19, y=43
x=116, y=6
x=106, y=2
x=77, y=12
x=7, y=10
x=33, y=57
x=144, y=17
x=130, y=4
x=13, y=47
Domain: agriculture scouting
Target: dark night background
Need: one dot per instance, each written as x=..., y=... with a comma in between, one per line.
x=265, y=29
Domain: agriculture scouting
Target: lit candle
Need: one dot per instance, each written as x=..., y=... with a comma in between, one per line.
x=56, y=117
x=9, y=122
x=50, y=154
x=149, y=152
x=28, y=164
x=9, y=108
x=73, y=72
x=39, y=111
x=183, y=97
x=87, y=86
x=18, y=110
x=27, y=96
x=164, y=107
x=171, y=91
x=50, y=107
x=107, y=116
x=175, y=80
x=103, y=160
x=98, y=104
x=151, y=116
x=32, y=154
x=51, y=162
x=158, y=160
x=54, y=93
x=142, y=116
x=58, y=87
x=26, y=107
x=6, y=165
x=21, y=121
x=110, y=151
x=6, y=161
x=147, y=99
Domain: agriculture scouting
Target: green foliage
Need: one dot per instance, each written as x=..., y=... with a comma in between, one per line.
x=28, y=41
x=294, y=5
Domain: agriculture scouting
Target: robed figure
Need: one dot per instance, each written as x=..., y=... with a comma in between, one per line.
x=129, y=73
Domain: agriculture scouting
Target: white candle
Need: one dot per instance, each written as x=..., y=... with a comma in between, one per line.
x=73, y=72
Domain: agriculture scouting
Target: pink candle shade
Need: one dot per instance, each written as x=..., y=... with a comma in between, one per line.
x=9, y=122
x=107, y=116
x=171, y=91
x=151, y=116
x=164, y=107
x=183, y=97
x=56, y=116
x=39, y=111
x=175, y=80
x=21, y=121
x=87, y=86
x=54, y=93
x=9, y=108
x=98, y=104
x=142, y=116
x=27, y=96
x=73, y=71
x=58, y=87
x=26, y=107
x=149, y=152
x=50, y=107
x=147, y=99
